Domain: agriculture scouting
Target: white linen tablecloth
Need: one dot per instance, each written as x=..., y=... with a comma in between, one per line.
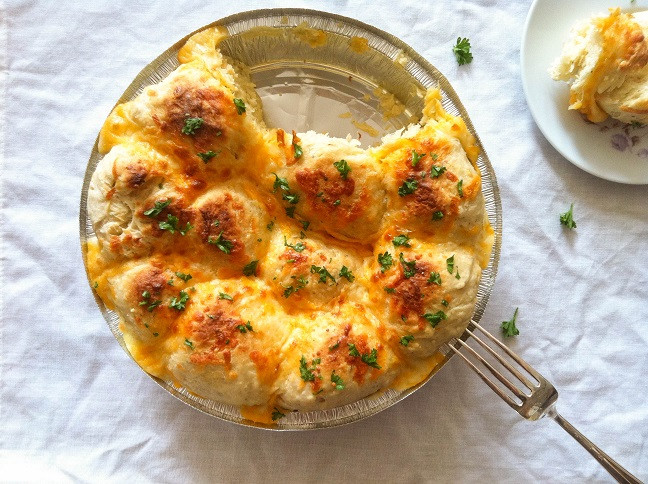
x=74, y=407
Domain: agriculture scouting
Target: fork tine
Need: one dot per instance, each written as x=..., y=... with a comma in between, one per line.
x=486, y=380
x=502, y=361
x=528, y=368
x=515, y=390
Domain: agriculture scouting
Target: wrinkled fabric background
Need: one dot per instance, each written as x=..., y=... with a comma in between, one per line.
x=74, y=407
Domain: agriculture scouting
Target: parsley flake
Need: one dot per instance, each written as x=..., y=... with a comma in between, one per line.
x=208, y=155
x=390, y=290
x=438, y=215
x=244, y=328
x=385, y=260
x=305, y=224
x=567, y=218
x=370, y=359
x=298, y=151
x=435, y=318
x=435, y=278
x=323, y=273
x=416, y=157
x=270, y=226
x=179, y=302
x=227, y=297
x=281, y=183
x=277, y=414
x=240, y=105
x=407, y=187
x=460, y=188
x=189, y=343
x=171, y=223
x=157, y=208
x=409, y=267
x=301, y=283
x=298, y=247
x=405, y=340
x=191, y=125
x=291, y=197
x=346, y=273
x=343, y=167
x=305, y=371
x=450, y=264
x=508, y=327
x=250, y=268
x=462, y=51
x=437, y=171
x=223, y=244
x=183, y=276
x=445, y=303
x=401, y=240
x=337, y=379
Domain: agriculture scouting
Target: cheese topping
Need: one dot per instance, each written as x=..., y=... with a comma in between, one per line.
x=280, y=271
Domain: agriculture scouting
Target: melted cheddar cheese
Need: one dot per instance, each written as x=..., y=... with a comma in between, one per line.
x=280, y=271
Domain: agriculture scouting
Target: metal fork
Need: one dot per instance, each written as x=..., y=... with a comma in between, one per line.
x=539, y=398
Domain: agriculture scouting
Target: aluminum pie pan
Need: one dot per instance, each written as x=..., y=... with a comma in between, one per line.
x=283, y=65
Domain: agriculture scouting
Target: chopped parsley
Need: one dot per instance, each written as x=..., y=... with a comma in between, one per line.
x=250, y=268
x=390, y=290
x=305, y=224
x=436, y=171
x=222, y=295
x=270, y=226
x=157, y=208
x=460, y=188
x=240, y=105
x=435, y=278
x=179, y=302
x=191, y=125
x=337, y=202
x=95, y=285
x=335, y=346
x=189, y=343
x=298, y=247
x=281, y=183
x=409, y=267
x=370, y=359
x=508, y=327
x=301, y=283
x=277, y=414
x=290, y=211
x=323, y=273
x=445, y=303
x=435, y=157
x=223, y=244
x=343, y=167
x=150, y=305
x=337, y=379
x=450, y=264
x=435, y=318
x=405, y=340
x=291, y=197
x=407, y=187
x=416, y=157
x=302, y=235
x=171, y=224
x=567, y=218
x=462, y=51
x=298, y=151
x=346, y=273
x=401, y=240
x=208, y=155
x=385, y=260
x=306, y=371
x=244, y=328
x=438, y=215
x=183, y=276
x=457, y=276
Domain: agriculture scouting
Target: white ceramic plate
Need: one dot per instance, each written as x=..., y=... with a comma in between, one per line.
x=610, y=150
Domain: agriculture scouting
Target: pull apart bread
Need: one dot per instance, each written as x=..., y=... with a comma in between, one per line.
x=605, y=59
x=258, y=268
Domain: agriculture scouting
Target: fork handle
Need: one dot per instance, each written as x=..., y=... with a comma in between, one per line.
x=614, y=468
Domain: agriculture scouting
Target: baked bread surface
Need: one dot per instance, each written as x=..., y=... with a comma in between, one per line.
x=289, y=271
